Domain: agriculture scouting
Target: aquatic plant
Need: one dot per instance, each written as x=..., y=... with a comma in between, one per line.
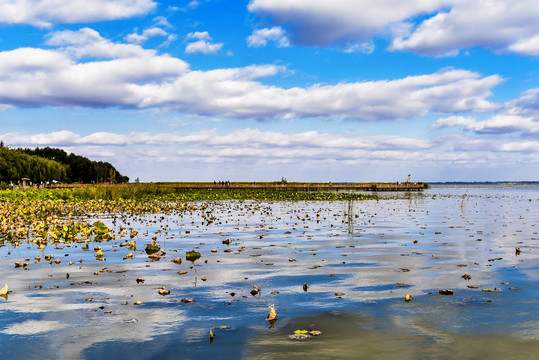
x=155, y=192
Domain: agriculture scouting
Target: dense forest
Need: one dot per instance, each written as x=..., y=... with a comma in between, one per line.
x=47, y=164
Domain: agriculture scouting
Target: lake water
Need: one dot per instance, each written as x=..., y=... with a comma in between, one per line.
x=357, y=259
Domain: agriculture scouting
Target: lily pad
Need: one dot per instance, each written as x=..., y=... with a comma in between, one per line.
x=152, y=249
x=192, y=255
x=446, y=292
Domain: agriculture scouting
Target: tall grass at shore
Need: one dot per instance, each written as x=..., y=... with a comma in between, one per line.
x=146, y=192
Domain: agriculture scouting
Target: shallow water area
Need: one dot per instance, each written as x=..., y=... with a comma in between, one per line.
x=342, y=268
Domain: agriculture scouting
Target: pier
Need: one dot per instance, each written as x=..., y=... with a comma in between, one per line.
x=312, y=187
x=302, y=186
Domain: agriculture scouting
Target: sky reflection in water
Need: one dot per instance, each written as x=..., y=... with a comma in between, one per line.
x=362, y=250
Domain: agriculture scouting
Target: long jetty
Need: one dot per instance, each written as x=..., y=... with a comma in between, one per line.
x=271, y=186
x=302, y=186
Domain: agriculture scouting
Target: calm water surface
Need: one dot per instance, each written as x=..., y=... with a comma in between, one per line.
x=350, y=255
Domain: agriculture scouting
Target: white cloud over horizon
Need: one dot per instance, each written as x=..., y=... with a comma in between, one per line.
x=311, y=149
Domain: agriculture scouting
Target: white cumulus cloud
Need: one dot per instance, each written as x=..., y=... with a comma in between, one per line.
x=87, y=42
x=432, y=27
x=202, y=45
x=137, y=38
x=322, y=22
x=262, y=36
x=88, y=70
x=45, y=13
x=515, y=116
x=500, y=25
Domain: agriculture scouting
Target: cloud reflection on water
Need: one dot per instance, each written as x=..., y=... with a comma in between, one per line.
x=279, y=248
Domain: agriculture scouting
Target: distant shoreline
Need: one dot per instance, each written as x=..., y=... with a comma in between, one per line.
x=517, y=184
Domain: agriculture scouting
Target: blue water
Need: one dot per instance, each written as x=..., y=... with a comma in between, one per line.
x=351, y=257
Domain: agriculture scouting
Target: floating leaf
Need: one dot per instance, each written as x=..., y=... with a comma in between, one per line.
x=152, y=249
x=163, y=291
x=4, y=290
x=255, y=291
x=192, y=255
x=100, y=228
x=301, y=331
x=446, y=292
x=272, y=313
x=408, y=298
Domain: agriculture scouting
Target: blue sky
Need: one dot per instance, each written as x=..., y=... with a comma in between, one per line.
x=309, y=90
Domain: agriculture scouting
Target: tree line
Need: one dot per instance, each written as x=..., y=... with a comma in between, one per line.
x=47, y=164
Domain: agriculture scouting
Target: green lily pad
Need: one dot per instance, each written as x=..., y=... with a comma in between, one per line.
x=152, y=249
x=192, y=255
